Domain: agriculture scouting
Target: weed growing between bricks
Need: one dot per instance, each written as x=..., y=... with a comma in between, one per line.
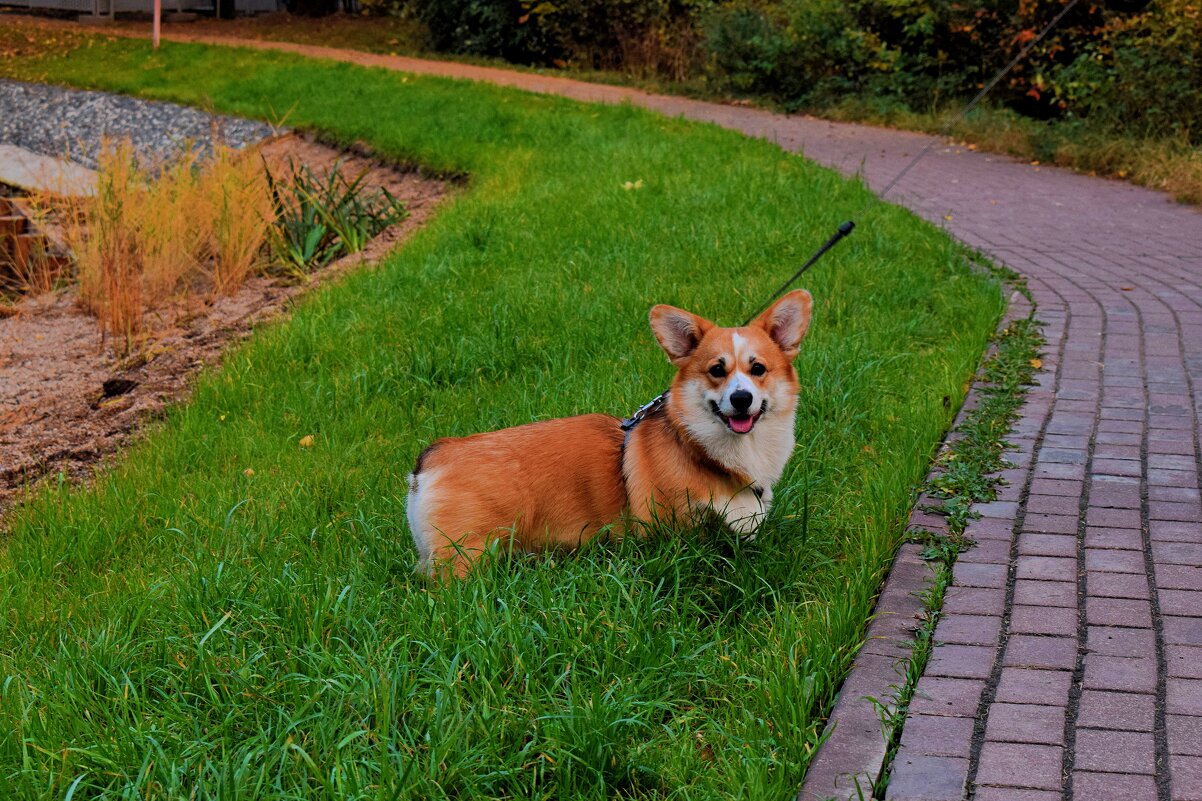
x=965, y=473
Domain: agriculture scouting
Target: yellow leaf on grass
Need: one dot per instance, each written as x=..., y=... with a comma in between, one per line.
x=1037, y=363
x=306, y=441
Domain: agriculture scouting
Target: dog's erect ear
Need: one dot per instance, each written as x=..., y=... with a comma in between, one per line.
x=787, y=320
x=679, y=332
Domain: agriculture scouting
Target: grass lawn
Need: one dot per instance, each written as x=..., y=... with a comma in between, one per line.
x=184, y=629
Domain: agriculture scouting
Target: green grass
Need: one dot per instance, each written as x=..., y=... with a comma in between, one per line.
x=185, y=630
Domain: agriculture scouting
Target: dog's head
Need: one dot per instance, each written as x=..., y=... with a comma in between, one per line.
x=731, y=377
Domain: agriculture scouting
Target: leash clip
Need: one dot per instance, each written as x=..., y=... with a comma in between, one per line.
x=643, y=411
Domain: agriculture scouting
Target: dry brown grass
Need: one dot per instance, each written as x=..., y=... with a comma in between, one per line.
x=145, y=239
x=240, y=207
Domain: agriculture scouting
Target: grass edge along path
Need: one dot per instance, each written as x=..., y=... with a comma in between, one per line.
x=966, y=472
x=230, y=611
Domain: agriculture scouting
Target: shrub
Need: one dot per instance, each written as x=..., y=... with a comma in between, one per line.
x=1144, y=72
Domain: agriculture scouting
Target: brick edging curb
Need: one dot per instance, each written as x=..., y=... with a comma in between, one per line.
x=850, y=760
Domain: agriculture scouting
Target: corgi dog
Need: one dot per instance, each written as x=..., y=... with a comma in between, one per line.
x=717, y=445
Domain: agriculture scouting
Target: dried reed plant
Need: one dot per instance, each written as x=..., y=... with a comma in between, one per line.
x=174, y=229
x=144, y=239
x=103, y=234
x=241, y=210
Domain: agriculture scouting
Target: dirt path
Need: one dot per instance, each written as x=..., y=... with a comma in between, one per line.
x=1073, y=635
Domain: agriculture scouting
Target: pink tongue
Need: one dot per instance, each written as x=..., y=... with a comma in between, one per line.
x=741, y=425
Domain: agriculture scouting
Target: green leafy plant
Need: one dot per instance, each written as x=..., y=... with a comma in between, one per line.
x=319, y=219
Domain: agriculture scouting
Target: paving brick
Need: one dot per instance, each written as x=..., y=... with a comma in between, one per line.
x=1127, y=674
x=951, y=697
x=962, y=661
x=1020, y=765
x=1070, y=472
x=1033, y=544
x=1185, y=734
x=1046, y=593
x=996, y=552
x=1182, y=630
x=1054, y=504
x=989, y=528
x=1027, y=686
x=1177, y=553
x=1049, y=653
x=1109, y=491
x=1178, y=577
x=1043, y=620
x=1184, y=696
x=937, y=735
x=1172, y=478
x=1187, y=512
x=1117, y=585
x=1101, y=709
x=1171, y=461
x=1111, y=641
x=968, y=629
x=1174, y=531
x=1119, y=439
x=974, y=601
x=1174, y=494
x=1114, y=561
x=1118, y=612
x=1186, y=774
x=1003, y=509
x=1114, y=751
x=1051, y=524
x=1117, y=467
x=1181, y=603
x=1113, y=518
x=1025, y=723
x=1067, y=488
x=1112, y=787
x=927, y=778
x=966, y=574
x=1047, y=568
x=1123, y=539
x=1183, y=661
x=1015, y=794
x=1116, y=452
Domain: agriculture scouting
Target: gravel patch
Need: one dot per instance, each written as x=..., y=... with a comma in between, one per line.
x=72, y=123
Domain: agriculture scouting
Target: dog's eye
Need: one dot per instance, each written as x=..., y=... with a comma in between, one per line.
x=718, y=370
x=758, y=369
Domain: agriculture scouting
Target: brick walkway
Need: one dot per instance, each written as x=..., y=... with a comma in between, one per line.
x=1071, y=664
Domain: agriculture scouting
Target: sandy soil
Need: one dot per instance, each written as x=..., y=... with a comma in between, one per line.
x=68, y=399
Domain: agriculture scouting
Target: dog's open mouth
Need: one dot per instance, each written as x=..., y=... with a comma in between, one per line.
x=740, y=423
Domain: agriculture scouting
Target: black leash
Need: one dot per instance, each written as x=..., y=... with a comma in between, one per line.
x=846, y=228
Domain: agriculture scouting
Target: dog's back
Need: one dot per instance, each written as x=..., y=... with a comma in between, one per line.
x=554, y=483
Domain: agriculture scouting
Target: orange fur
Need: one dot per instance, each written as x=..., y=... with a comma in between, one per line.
x=557, y=484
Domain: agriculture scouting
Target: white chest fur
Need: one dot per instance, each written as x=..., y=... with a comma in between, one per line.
x=760, y=455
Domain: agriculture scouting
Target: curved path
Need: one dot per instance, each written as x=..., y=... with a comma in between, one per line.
x=1071, y=656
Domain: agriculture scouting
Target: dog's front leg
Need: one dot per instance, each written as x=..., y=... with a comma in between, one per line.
x=745, y=511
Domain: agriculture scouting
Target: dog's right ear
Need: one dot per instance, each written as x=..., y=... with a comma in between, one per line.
x=679, y=332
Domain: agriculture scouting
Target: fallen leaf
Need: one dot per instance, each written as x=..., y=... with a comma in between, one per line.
x=1037, y=363
x=306, y=441
x=248, y=472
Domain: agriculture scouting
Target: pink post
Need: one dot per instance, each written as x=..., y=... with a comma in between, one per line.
x=158, y=17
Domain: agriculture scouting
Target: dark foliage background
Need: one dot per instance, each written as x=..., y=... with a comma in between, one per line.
x=1141, y=72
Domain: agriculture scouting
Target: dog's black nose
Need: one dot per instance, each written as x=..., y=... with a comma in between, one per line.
x=741, y=400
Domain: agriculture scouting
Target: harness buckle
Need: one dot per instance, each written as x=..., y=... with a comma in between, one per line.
x=643, y=411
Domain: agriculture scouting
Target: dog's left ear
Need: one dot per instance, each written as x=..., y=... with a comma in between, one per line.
x=787, y=321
